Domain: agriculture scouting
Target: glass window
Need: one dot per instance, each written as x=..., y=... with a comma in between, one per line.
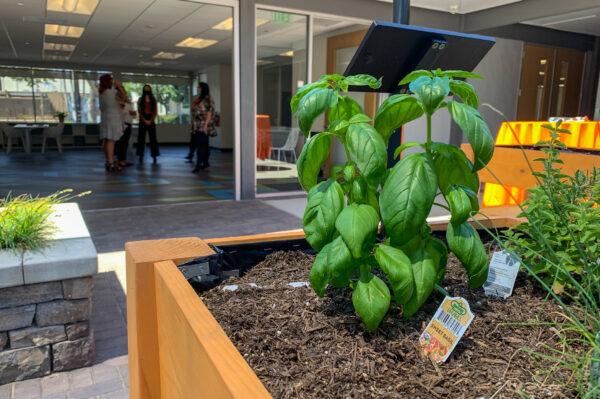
x=281, y=69
x=172, y=95
x=54, y=92
x=16, y=95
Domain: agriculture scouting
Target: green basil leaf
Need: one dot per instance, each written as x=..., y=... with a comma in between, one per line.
x=357, y=224
x=359, y=191
x=360, y=118
x=476, y=130
x=430, y=91
x=395, y=111
x=314, y=104
x=461, y=74
x=339, y=263
x=313, y=155
x=398, y=269
x=371, y=300
x=407, y=197
x=339, y=127
x=439, y=253
x=345, y=109
x=363, y=80
x=368, y=151
x=319, y=275
x=464, y=241
x=453, y=167
x=465, y=91
x=325, y=202
x=304, y=90
x=459, y=202
x=405, y=146
x=414, y=75
x=425, y=274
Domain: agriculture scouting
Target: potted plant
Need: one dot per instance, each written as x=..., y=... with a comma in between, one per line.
x=60, y=115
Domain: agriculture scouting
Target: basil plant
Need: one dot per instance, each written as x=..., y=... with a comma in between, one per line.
x=368, y=222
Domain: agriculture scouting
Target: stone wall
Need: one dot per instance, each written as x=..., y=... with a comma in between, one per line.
x=44, y=328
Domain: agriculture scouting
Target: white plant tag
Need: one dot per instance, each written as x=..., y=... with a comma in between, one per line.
x=446, y=328
x=504, y=268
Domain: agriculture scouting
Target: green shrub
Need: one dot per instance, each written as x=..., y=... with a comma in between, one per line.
x=24, y=223
x=562, y=213
x=368, y=221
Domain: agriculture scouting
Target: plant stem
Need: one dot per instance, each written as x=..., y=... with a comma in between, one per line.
x=442, y=206
x=441, y=290
x=428, y=133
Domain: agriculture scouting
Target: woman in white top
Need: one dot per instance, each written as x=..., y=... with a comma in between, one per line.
x=111, y=120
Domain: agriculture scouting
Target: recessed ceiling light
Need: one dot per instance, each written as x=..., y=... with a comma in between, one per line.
x=149, y=63
x=287, y=54
x=54, y=57
x=63, y=30
x=59, y=47
x=227, y=24
x=196, y=42
x=20, y=4
x=85, y=7
x=168, y=56
x=27, y=43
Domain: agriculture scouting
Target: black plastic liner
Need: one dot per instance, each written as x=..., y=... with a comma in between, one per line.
x=234, y=261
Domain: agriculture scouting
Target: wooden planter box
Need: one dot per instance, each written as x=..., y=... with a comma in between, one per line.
x=176, y=347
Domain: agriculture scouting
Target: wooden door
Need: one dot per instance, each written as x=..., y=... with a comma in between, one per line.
x=550, y=82
x=566, y=85
x=536, y=81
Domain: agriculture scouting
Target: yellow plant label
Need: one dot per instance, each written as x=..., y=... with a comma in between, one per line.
x=446, y=328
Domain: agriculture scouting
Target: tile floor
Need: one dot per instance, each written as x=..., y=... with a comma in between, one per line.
x=168, y=182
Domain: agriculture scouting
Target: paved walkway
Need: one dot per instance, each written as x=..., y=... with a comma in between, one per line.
x=110, y=229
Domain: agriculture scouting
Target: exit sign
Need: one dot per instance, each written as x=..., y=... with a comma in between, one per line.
x=282, y=17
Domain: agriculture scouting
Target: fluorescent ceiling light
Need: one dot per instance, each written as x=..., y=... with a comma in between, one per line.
x=168, y=56
x=196, y=42
x=63, y=30
x=53, y=57
x=264, y=62
x=287, y=54
x=85, y=7
x=227, y=24
x=149, y=63
x=59, y=46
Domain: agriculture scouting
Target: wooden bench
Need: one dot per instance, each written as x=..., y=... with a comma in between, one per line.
x=509, y=168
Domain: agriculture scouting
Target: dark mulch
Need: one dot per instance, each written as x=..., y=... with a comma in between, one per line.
x=303, y=346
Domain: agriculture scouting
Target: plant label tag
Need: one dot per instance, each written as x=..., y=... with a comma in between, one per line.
x=446, y=328
x=504, y=268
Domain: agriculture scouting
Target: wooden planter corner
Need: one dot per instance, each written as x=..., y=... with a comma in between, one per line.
x=176, y=347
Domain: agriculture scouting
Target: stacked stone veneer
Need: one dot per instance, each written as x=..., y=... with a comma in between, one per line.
x=44, y=328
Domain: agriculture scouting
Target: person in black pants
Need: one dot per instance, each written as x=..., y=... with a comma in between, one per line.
x=147, y=111
x=203, y=126
x=122, y=145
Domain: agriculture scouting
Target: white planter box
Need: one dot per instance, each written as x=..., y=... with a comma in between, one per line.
x=70, y=253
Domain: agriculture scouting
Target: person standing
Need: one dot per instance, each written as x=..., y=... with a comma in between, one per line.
x=147, y=112
x=111, y=120
x=122, y=145
x=203, y=126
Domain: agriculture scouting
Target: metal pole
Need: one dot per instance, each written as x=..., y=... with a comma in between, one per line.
x=402, y=11
x=401, y=15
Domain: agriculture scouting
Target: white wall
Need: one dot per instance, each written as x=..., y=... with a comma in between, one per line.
x=501, y=69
